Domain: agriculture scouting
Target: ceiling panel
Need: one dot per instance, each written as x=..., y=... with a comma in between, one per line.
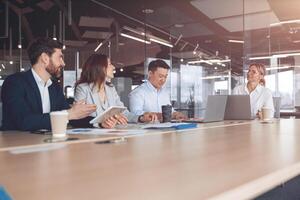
x=167, y=16
x=220, y=8
x=96, y=34
x=95, y=21
x=252, y=21
x=191, y=30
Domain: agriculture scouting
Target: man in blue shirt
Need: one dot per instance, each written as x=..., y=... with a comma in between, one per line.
x=151, y=95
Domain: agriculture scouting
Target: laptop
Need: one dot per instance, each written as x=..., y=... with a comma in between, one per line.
x=215, y=110
x=238, y=107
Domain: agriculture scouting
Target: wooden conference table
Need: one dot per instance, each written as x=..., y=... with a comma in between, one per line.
x=215, y=161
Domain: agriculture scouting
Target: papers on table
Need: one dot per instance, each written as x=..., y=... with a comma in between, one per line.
x=98, y=131
x=131, y=130
x=177, y=126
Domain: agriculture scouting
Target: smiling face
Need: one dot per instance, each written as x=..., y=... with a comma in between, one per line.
x=55, y=63
x=110, y=69
x=254, y=75
x=159, y=77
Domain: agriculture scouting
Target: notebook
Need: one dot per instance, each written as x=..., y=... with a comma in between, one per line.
x=215, y=110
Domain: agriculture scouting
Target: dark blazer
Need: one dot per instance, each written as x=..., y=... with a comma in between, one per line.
x=22, y=104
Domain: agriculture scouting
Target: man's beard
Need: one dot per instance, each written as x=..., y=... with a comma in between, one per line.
x=53, y=71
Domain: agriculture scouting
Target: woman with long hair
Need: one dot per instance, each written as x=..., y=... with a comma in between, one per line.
x=94, y=86
x=260, y=96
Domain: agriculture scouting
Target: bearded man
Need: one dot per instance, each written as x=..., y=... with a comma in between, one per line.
x=29, y=97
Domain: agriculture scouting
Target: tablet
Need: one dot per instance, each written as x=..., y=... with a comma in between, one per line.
x=111, y=111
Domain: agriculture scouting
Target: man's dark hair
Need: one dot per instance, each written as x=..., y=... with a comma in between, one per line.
x=153, y=65
x=42, y=45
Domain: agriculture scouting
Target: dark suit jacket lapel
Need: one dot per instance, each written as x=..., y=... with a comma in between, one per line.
x=52, y=96
x=33, y=84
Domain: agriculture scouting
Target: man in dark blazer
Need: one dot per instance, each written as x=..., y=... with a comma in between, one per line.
x=29, y=97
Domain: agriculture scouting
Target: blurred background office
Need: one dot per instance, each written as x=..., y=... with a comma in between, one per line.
x=208, y=43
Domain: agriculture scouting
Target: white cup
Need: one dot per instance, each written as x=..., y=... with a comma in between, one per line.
x=59, y=121
x=266, y=114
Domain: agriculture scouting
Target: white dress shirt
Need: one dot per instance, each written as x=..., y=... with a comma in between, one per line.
x=146, y=98
x=259, y=97
x=43, y=88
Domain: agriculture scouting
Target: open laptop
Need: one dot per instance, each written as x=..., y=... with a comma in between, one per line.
x=238, y=107
x=215, y=109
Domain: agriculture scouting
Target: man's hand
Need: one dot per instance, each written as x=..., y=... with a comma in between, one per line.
x=178, y=116
x=149, y=117
x=80, y=110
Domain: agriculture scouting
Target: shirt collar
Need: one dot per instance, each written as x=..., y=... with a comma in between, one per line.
x=258, y=89
x=151, y=87
x=40, y=81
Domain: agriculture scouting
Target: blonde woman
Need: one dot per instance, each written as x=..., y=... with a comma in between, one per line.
x=260, y=96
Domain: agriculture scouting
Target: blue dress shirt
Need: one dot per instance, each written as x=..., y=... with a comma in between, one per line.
x=146, y=98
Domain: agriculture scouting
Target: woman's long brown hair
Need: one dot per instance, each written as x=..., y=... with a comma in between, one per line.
x=94, y=70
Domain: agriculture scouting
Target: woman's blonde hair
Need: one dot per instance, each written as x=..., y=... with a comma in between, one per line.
x=262, y=70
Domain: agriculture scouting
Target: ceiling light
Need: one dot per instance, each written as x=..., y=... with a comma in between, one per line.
x=180, y=36
x=178, y=25
x=148, y=11
x=194, y=52
x=161, y=42
x=181, y=60
x=114, y=71
x=275, y=68
x=64, y=47
x=22, y=69
x=215, y=68
x=121, y=70
x=135, y=38
x=98, y=47
x=285, y=22
x=19, y=46
x=3, y=66
x=214, y=77
x=54, y=38
x=211, y=61
x=11, y=62
x=236, y=41
x=274, y=56
x=134, y=30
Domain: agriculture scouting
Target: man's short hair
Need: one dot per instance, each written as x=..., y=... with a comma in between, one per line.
x=153, y=65
x=42, y=45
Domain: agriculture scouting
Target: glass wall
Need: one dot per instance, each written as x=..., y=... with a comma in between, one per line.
x=209, y=44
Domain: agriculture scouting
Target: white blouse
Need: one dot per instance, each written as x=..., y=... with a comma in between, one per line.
x=260, y=97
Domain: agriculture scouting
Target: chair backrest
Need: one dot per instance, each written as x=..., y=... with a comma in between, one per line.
x=276, y=102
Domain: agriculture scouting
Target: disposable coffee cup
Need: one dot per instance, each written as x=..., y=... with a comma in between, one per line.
x=59, y=121
x=266, y=114
x=166, y=113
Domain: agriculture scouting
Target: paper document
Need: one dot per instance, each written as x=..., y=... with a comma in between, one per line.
x=98, y=131
x=170, y=125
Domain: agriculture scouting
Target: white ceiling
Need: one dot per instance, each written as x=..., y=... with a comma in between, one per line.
x=252, y=21
x=230, y=14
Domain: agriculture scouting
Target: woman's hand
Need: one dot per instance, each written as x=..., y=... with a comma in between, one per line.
x=259, y=114
x=109, y=123
x=121, y=119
